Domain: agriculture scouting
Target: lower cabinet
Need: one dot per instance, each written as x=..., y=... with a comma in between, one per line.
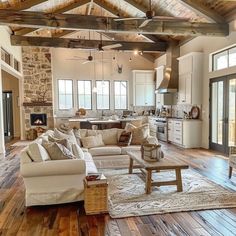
x=185, y=133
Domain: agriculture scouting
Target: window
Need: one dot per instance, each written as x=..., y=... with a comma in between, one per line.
x=5, y=56
x=16, y=65
x=120, y=88
x=85, y=94
x=103, y=94
x=65, y=94
x=224, y=59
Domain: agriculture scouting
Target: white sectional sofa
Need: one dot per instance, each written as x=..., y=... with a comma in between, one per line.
x=54, y=181
x=61, y=181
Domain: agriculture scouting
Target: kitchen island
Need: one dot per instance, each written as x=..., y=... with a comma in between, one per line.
x=100, y=123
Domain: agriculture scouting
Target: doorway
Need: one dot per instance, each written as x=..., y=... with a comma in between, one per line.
x=7, y=115
x=222, y=113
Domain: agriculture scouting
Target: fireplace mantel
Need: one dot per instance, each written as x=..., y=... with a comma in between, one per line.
x=34, y=104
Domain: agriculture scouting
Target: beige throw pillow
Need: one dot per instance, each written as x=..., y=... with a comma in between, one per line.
x=139, y=134
x=92, y=141
x=38, y=153
x=69, y=135
x=64, y=142
x=57, y=151
x=77, y=151
x=80, y=133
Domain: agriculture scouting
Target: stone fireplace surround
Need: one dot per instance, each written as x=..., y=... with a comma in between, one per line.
x=37, y=78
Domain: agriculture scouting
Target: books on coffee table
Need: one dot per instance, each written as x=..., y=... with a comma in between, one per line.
x=95, y=178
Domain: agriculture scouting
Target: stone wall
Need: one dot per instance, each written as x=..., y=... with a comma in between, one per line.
x=37, y=84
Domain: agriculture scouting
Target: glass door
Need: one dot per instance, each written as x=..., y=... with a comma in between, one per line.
x=222, y=113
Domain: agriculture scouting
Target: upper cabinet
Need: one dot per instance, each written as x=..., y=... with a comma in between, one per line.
x=143, y=88
x=162, y=99
x=190, y=78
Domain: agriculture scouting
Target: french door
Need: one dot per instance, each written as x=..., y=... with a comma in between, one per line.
x=222, y=113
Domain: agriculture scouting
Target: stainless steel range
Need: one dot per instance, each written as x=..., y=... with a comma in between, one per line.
x=161, y=123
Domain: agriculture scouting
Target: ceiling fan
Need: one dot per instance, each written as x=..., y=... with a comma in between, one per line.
x=101, y=47
x=89, y=59
x=150, y=16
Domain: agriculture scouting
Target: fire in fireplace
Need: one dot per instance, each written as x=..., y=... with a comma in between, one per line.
x=38, y=119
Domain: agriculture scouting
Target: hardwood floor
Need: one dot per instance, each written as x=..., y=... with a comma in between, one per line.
x=70, y=219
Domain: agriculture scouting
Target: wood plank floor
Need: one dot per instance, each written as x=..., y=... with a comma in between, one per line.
x=70, y=219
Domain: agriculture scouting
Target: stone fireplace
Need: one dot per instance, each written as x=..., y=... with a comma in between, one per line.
x=38, y=119
x=37, y=89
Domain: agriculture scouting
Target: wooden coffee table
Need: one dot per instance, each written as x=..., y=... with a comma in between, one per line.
x=164, y=164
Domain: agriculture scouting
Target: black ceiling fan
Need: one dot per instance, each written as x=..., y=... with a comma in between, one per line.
x=150, y=16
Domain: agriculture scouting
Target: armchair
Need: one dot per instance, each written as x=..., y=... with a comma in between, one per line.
x=232, y=160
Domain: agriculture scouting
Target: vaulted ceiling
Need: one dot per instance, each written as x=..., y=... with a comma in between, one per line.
x=215, y=12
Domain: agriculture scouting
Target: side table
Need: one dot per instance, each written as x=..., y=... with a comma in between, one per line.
x=95, y=198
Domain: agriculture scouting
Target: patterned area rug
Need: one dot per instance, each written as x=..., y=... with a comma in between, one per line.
x=127, y=194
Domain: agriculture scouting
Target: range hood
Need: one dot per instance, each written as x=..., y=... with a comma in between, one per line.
x=170, y=80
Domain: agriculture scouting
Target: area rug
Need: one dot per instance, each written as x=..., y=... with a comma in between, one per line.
x=127, y=195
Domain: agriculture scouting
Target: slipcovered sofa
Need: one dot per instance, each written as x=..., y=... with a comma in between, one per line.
x=61, y=181
x=54, y=181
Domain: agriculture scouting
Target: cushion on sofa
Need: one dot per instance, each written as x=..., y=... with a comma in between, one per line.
x=58, y=151
x=69, y=135
x=77, y=151
x=92, y=141
x=64, y=142
x=24, y=157
x=38, y=153
x=125, y=138
x=104, y=151
x=139, y=134
x=109, y=136
x=80, y=133
x=126, y=149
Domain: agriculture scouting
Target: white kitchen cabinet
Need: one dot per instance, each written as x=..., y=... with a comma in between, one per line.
x=185, y=133
x=143, y=88
x=162, y=99
x=190, y=78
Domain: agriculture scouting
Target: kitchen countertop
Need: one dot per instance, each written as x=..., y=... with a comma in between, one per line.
x=94, y=120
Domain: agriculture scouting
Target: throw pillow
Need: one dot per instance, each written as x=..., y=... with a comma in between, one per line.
x=129, y=127
x=69, y=135
x=125, y=138
x=139, y=134
x=57, y=151
x=92, y=141
x=80, y=133
x=38, y=153
x=77, y=151
x=64, y=142
x=109, y=136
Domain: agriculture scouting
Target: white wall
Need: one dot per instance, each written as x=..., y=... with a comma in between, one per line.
x=16, y=52
x=207, y=45
x=63, y=68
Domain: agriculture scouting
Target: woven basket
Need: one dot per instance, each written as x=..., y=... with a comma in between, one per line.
x=95, y=198
x=151, y=152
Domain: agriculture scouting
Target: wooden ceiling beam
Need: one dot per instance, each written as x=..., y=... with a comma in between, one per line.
x=202, y=10
x=107, y=24
x=85, y=44
x=61, y=10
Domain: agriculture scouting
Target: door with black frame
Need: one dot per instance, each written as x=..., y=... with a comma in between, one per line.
x=222, y=113
x=7, y=115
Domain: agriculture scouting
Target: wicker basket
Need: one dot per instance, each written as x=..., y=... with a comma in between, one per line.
x=95, y=198
x=151, y=152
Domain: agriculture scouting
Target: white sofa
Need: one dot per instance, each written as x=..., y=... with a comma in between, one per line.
x=54, y=181
x=61, y=181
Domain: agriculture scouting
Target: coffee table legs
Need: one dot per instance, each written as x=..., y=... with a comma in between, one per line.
x=179, y=180
x=131, y=163
x=148, y=181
